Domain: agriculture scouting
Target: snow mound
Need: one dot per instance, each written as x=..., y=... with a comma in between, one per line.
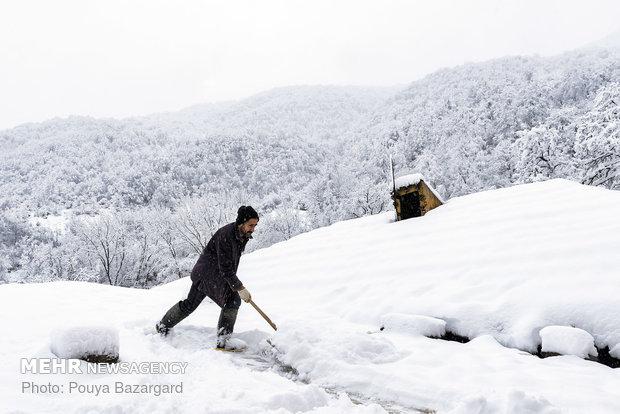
x=416, y=324
x=615, y=351
x=567, y=340
x=309, y=399
x=85, y=341
x=236, y=343
x=513, y=402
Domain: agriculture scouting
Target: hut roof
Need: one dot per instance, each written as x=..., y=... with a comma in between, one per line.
x=414, y=179
x=407, y=180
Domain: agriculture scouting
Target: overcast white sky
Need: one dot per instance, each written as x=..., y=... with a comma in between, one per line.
x=118, y=58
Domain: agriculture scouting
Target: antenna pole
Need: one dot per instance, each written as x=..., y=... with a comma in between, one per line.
x=393, y=179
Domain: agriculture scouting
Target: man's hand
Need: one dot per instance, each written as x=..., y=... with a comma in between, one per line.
x=245, y=295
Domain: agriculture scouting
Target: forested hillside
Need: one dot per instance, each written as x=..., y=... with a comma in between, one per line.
x=274, y=143
x=512, y=120
x=155, y=188
x=131, y=202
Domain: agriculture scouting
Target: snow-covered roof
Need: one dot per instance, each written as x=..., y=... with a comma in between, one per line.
x=414, y=179
x=407, y=180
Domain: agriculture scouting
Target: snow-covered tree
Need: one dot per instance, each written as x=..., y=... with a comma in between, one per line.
x=597, y=144
x=538, y=154
x=105, y=246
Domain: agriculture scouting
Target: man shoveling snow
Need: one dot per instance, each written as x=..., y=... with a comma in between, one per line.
x=215, y=275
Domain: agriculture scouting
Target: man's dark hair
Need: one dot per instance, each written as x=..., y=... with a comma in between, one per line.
x=245, y=213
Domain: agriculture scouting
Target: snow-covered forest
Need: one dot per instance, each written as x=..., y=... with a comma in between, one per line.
x=132, y=202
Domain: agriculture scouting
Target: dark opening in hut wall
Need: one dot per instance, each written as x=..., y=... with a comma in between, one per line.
x=410, y=206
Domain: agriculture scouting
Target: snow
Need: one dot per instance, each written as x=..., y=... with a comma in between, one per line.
x=82, y=341
x=56, y=223
x=511, y=269
x=416, y=324
x=407, y=180
x=568, y=341
x=236, y=343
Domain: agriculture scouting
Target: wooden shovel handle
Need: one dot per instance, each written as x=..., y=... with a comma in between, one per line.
x=273, y=325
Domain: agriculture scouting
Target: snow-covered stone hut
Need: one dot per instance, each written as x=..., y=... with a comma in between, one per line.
x=413, y=197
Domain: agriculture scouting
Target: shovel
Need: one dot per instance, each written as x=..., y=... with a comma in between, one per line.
x=273, y=325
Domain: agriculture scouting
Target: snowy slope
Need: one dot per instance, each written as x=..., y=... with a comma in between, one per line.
x=497, y=267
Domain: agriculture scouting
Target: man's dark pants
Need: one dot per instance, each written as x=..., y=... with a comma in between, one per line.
x=184, y=308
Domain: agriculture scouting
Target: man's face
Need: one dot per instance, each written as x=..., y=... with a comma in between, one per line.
x=246, y=229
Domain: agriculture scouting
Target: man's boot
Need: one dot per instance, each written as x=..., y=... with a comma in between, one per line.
x=225, y=326
x=170, y=319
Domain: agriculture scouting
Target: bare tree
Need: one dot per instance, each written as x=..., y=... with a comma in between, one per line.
x=105, y=241
x=199, y=219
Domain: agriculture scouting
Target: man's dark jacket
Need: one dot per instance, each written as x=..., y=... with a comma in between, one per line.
x=216, y=268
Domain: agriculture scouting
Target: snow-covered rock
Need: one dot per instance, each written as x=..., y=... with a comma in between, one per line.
x=567, y=340
x=615, y=351
x=416, y=324
x=84, y=342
